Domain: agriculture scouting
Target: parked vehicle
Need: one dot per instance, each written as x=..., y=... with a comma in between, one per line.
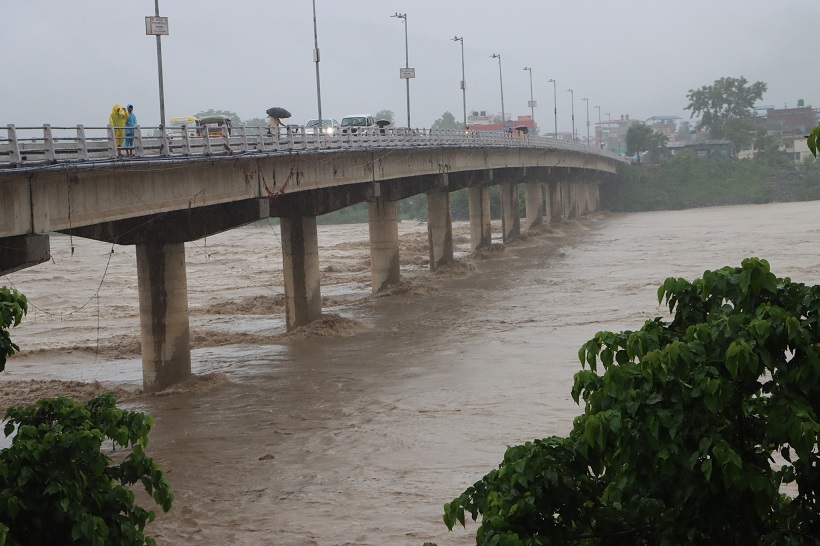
x=357, y=122
x=214, y=124
x=177, y=126
x=329, y=126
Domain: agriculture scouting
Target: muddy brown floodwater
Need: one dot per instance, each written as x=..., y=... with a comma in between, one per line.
x=357, y=430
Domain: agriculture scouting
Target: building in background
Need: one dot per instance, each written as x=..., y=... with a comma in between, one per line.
x=610, y=134
x=479, y=120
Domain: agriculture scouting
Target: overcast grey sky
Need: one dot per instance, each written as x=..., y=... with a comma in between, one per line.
x=68, y=62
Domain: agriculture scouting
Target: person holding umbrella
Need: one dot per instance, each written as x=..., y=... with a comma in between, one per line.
x=274, y=119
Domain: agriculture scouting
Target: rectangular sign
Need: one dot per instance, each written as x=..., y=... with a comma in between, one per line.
x=407, y=73
x=532, y=103
x=156, y=26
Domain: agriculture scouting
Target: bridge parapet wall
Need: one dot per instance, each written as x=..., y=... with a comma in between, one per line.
x=68, y=196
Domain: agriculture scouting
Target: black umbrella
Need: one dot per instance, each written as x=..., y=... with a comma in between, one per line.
x=381, y=123
x=277, y=112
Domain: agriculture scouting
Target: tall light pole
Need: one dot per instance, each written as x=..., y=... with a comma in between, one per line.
x=463, y=80
x=406, y=76
x=501, y=81
x=598, y=131
x=585, y=99
x=555, y=104
x=572, y=93
x=316, y=60
x=532, y=101
x=159, y=72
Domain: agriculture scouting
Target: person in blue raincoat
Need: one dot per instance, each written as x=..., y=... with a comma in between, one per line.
x=130, y=123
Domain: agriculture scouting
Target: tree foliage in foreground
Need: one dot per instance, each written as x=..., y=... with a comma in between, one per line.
x=58, y=487
x=13, y=305
x=688, y=434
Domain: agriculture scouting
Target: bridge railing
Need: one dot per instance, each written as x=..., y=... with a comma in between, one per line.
x=22, y=147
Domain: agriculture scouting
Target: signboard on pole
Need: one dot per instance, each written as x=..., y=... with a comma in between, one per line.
x=157, y=26
x=407, y=73
x=532, y=103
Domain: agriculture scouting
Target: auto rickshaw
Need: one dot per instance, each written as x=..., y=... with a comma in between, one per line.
x=214, y=124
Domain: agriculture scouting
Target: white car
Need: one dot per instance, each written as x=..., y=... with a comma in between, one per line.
x=330, y=126
x=354, y=122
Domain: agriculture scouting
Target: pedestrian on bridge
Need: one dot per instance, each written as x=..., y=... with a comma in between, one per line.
x=130, y=123
x=117, y=119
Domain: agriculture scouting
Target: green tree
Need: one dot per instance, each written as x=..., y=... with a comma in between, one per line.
x=385, y=114
x=13, y=305
x=446, y=121
x=686, y=437
x=641, y=138
x=58, y=487
x=726, y=107
x=235, y=119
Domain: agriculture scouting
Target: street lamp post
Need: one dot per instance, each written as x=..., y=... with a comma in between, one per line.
x=532, y=100
x=586, y=100
x=572, y=94
x=555, y=104
x=463, y=80
x=403, y=16
x=316, y=60
x=501, y=81
x=598, y=131
x=159, y=72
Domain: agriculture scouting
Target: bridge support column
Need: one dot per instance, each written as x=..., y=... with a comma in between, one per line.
x=481, y=233
x=163, y=297
x=510, y=215
x=439, y=228
x=300, y=253
x=594, y=196
x=568, y=199
x=384, y=243
x=533, y=203
x=554, y=207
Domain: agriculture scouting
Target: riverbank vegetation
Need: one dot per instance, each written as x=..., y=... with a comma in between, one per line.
x=689, y=181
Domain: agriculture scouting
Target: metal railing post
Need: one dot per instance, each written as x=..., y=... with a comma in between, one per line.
x=165, y=143
x=139, y=150
x=16, y=158
x=112, y=142
x=207, y=136
x=82, y=144
x=243, y=135
x=48, y=143
x=186, y=141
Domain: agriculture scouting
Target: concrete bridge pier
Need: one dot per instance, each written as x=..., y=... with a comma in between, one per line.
x=163, y=303
x=554, y=206
x=481, y=233
x=510, y=215
x=384, y=243
x=595, y=195
x=568, y=200
x=533, y=203
x=439, y=228
x=300, y=253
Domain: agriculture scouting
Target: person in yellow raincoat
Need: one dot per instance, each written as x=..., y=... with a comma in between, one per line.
x=117, y=119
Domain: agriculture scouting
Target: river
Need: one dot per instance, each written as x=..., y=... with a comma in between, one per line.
x=355, y=432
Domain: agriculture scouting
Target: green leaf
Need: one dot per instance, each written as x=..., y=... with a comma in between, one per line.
x=706, y=468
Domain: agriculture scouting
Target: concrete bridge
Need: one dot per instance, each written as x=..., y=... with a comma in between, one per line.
x=179, y=188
